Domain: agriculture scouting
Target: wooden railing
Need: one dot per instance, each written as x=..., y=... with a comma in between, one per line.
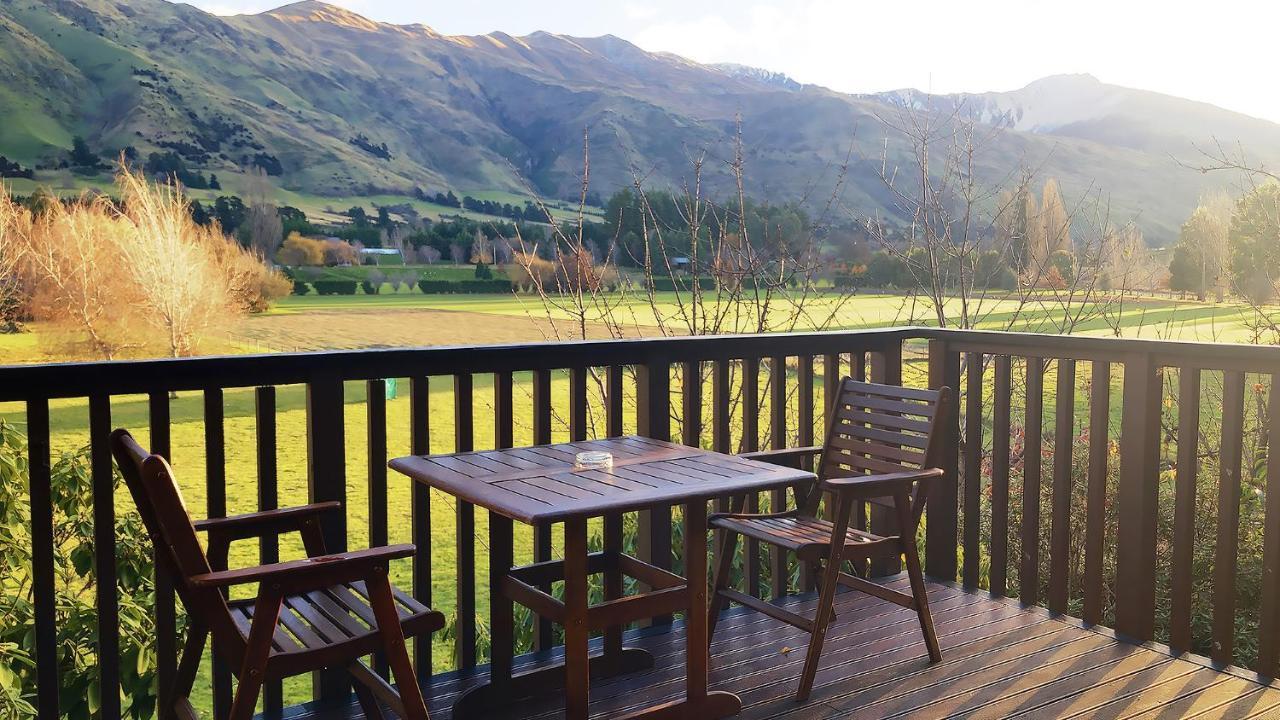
x=1068, y=557
x=733, y=366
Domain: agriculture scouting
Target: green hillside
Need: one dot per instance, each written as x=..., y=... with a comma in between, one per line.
x=333, y=105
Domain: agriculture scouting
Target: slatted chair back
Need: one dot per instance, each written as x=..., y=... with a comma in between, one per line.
x=878, y=429
x=159, y=501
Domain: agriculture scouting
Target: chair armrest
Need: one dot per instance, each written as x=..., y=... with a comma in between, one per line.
x=310, y=573
x=789, y=457
x=267, y=522
x=882, y=484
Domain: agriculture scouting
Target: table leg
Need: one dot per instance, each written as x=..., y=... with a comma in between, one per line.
x=501, y=617
x=576, y=662
x=613, y=585
x=695, y=566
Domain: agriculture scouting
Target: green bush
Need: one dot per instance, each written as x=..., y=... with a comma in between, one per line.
x=71, y=487
x=300, y=287
x=335, y=287
x=464, y=287
x=666, y=284
x=369, y=287
x=483, y=272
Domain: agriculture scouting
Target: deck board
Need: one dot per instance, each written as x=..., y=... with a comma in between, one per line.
x=999, y=661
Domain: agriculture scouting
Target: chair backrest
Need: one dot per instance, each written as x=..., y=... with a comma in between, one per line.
x=151, y=483
x=878, y=429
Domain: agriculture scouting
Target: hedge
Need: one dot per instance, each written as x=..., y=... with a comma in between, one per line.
x=666, y=284
x=465, y=287
x=335, y=287
x=300, y=287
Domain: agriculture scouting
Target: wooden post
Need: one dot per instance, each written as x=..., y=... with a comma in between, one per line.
x=941, y=522
x=653, y=419
x=1138, y=499
x=886, y=368
x=326, y=481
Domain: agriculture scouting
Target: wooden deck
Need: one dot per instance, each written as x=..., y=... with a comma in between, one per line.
x=999, y=660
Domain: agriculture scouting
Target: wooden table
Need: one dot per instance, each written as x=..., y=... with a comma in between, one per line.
x=539, y=485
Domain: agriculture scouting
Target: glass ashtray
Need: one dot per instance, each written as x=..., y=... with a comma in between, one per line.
x=592, y=459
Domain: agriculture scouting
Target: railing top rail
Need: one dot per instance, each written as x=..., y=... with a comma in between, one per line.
x=78, y=379
x=1170, y=353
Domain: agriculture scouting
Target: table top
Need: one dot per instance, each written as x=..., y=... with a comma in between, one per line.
x=540, y=484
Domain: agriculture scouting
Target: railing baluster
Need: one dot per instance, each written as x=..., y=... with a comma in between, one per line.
x=720, y=433
x=542, y=635
x=327, y=481
x=465, y=529
x=972, y=468
x=503, y=412
x=1095, y=533
x=577, y=404
x=104, y=557
x=42, y=569
x=653, y=418
x=751, y=443
x=215, y=463
x=420, y=516
x=830, y=389
x=166, y=612
x=1269, y=613
x=614, y=399
x=376, y=436
x=804, y=422
x=1033, y=432
x=1063, y=444
x=886, y=369
x=1138, y=499
x=1184, y=509
x=264, y=401
x=1001, y=410
x=613, y=522
x=1229, y=481
x=691, y=404
x=942, y=510
x=778, y=574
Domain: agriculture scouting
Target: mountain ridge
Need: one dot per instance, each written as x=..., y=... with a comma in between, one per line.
x=292, y=88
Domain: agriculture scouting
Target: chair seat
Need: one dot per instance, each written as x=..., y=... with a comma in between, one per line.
x=320, y=621
x=802, y=535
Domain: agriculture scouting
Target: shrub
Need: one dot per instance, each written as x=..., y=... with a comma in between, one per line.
x=335, y=287
x=299, y=250
x=300, y=287
x=71, y=487
x=464, y=287
x=369, y=287
x=483, y=272
x=667, y=284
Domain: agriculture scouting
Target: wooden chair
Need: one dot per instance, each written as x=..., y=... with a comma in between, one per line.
x=326, y=611
x=881, y=443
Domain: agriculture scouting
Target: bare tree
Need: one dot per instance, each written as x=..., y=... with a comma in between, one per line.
x=263, y=226
x=14, y=224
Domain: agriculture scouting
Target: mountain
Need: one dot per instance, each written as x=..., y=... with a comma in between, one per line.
x=334, y=104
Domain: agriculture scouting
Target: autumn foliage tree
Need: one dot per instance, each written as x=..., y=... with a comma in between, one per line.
x=134, y=276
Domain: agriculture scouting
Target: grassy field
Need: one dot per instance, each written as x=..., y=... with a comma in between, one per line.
x=407, y=319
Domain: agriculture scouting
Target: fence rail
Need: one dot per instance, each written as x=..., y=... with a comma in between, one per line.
x=1007, y=520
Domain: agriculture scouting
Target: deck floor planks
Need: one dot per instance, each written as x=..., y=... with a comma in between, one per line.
x=999, y=660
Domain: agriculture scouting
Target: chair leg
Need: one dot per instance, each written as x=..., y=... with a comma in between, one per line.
x=725, y=549
x=189, y=665
x=253, y=671
x=384, y=612
x=826, y=600
x=918, y=591
x=368, y=703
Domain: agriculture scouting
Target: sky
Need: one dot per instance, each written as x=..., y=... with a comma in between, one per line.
x=1221, y=52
